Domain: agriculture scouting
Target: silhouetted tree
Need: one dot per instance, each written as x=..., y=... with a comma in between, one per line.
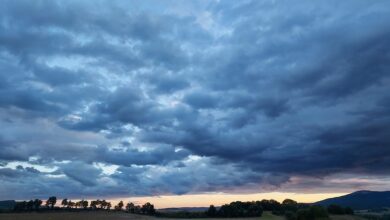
x=289, y=205
x=241, y=209
x=148, y=209
x=93, y=204
x=225, y=211
x=137, y=209
x=108, y=205
x=79, y=204
x=254, y=209
x=119, y=206
x=270, y=205
x=30, y=205
x=71, y=204
x=37, y=204
x=64, y=203
x=51, y=202
x=103, y=204
x=212, y=211
x=130, y=207
x=84, y=204
x=98, y=204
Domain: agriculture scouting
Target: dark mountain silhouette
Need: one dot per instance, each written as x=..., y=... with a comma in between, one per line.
x=360, y=200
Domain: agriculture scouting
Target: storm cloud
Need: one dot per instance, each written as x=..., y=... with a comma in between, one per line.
x=116, y=98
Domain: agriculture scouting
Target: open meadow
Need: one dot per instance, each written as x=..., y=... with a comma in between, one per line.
x=122, y=216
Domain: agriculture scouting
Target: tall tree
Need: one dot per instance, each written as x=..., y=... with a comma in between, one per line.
x=37, y=203
x=212, y=211
x=64, y=203
x=84, y=204
x=78, y=204
x=148, y=209
x=93, y=204
x=103, y=204
x=99, y=204
x=71, y=204
x=119, y=206
x=290, y=205
x=130, y=207
x=30, y=205
x=51, y=202
x=108, y=205
x=137, y=209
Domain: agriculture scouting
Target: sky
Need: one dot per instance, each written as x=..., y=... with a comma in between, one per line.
x=178, y=101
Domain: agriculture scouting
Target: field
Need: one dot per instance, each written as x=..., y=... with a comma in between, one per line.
x=122, y=216
x=101, y=216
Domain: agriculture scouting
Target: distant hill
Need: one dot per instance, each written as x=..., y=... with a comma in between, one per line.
x=360, y=200
x=188, y=209
x=7, y=204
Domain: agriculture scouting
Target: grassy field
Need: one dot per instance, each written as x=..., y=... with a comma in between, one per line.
x=100, y=216
x=122, y=216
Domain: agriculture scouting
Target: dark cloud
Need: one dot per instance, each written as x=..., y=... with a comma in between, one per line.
x=7, y=172
x=112, y=100
x=165, y=83
x=84, y=173
x=200, y=100
x=159, y=156
x=11, y=151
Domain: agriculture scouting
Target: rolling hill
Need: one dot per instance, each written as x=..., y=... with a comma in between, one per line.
x=360, y=200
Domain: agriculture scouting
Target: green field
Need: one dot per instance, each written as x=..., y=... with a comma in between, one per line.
x=122, y=216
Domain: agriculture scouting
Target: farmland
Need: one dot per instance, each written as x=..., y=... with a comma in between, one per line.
x=89, y=216
x=122, y=216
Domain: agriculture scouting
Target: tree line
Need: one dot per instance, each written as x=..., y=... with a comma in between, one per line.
x=36, y=205
x=291, y=209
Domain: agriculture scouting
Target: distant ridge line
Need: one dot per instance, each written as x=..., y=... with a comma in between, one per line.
x=360, y=200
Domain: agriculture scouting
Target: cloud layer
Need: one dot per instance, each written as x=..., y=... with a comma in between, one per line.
x=112, y=99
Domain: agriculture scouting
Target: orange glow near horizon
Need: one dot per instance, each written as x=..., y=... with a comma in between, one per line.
x=204, y=200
